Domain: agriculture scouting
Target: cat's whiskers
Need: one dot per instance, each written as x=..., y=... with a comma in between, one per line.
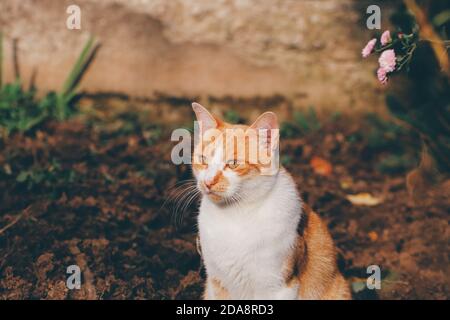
x=194, y=194
x=180, y=202
x=178, y=194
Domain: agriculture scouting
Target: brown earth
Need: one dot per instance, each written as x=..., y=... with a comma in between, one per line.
x=91, y=192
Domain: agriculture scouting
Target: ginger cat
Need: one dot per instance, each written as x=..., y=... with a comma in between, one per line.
x=258, y=240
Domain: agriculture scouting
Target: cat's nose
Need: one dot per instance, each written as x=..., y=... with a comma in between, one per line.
x=209, y=183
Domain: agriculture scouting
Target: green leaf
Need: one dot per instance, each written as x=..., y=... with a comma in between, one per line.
x=358, y=286
x=22, y=177
x=78, y=69
x=441, y=18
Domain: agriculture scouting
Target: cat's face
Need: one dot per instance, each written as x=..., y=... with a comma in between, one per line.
x=232, y=162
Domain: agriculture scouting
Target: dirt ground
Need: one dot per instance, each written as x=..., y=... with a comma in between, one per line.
x=92, y=192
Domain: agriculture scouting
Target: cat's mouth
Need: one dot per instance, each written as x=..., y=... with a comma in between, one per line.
x=212, y=194
x=220, y=198
x=215, y=197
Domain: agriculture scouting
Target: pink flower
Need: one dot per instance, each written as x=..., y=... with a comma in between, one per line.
x=387, y=60
x=386, y=38
x=382, y=76
x=368, y=49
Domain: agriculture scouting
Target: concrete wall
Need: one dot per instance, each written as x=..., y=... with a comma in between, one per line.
x=306, y=50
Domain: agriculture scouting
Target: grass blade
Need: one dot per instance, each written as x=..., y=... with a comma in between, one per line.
x=70, y=85
x=79, y=67
x=16, y=59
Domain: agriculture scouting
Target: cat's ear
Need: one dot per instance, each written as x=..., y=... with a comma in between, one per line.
x=206, y=119
x=268, y=122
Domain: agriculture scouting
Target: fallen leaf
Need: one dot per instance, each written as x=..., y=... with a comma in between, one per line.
x=358, y=286
x=321, y=166
x=7, y=169
x=132, y=141
x=346, y=183
x=90, y=201
x=373, y=236
x=364, y=199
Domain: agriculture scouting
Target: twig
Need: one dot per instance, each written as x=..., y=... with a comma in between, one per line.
x=408, y=57
x=444, y=42
x=26, y=211
x=397, y=281
x=12, y=223
x=427, y=32
x=16, y=59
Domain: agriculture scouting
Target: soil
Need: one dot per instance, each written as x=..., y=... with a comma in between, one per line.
x=93, y=193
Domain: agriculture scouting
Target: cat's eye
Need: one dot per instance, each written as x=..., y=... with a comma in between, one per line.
x=232, y=164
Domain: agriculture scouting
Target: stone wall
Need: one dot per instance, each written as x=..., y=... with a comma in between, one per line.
x=305, y=50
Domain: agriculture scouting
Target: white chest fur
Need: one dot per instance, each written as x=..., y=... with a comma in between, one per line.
x=246, y=246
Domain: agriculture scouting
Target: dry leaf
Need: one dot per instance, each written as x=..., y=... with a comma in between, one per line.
x=364, y=199
x=321, y=166
x=373, y=236
x=358, y=284
x=90, y=201
x=346, y=183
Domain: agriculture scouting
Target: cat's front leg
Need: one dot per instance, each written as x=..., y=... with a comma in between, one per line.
x=288, y=292
x=214, y=290
x=208, y=293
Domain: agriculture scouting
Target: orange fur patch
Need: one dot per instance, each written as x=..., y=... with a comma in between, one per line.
x=312, y=263
x=219, y=291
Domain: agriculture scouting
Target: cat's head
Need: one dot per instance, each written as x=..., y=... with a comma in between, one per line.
x=232, y=162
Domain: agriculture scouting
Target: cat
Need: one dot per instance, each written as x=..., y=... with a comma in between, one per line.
x=258, y=240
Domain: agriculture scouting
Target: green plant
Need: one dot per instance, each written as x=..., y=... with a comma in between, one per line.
x=47, y=176
x=304, y=122
x=383, y=135
x=423, y=102
x=308, y=121
x=232, y=116
x=417, y=52
x=68, y=91
x=21, y=110
x=394, y=163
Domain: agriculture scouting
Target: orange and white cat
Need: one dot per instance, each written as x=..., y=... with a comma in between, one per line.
x=258, y=240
